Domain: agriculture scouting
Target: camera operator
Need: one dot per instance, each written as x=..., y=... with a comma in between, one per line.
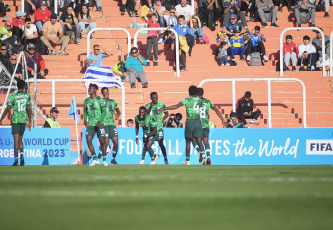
x=174, y=121
x=232, y=121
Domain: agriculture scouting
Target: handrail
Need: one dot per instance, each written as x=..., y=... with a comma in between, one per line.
x=53, y=81
x=301, y=28
x=269, y=80
x=331, y=54
x=135, y=43
x=110, y=29
x=22, y=5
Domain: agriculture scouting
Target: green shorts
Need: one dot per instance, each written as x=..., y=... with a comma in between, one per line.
x=193, y=128
x=159, y=135
x=151, y=138
x=18, y=128
x=91, y=132
x=109, y=131
x=205, y=132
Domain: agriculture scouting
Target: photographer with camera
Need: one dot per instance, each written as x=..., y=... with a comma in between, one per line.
x=232, y=121
x=174, y=121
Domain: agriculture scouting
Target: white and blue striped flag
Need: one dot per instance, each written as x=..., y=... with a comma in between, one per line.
x=104, y=73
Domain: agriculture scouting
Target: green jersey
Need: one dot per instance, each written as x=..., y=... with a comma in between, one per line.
x=19, y=102
x=157, y=117
x=193, y=104
x=147, y=124
x=92, y=109
x=108, y=112
x=204, y=111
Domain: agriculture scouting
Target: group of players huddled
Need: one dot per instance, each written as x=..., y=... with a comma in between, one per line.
x=99, y=115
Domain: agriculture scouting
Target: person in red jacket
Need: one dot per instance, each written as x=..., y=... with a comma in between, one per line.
x=18, y=22
x=43, y=14
x=290, y=53
x=33, y=57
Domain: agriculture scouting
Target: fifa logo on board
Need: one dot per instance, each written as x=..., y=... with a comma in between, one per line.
x=319, y=147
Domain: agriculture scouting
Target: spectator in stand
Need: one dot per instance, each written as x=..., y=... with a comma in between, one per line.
x=62, y=5
x=123, y=7
x=32, y=57
x=52, y=33
x=4, y=54
x=222, y=37
x=42, y=15
x=7, y=34
x=233, y=27
x=69, y=24
x=134, y=65
x=130, y=123
x=18, y=23
x=308, y=55
x=290, y=53
x=3, y=10
x=32, y=5
x=159, y=10
x=232, y=7
x=327, y=7
x=222, y=56
x=237, y=46
x=171, y=18
x=248, y=6
x=95, y=59
x=30, y=34
x=245, y=110
x=210, y=12
x=267, y=12
x=255, y=43
x=77, y=6
x=304, y=10
x=99, y=5
x=11, y=67
x=87, y=21
x=182, y=29
x=196, y=29
x=152, y=39
x=317, y=43
x=184, y=9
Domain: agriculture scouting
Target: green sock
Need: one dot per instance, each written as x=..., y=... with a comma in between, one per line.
x=22, y=151
x=187, y=156
x=16, y=157
x=207, y=149
x=93, y=154
x=195, y=145
x=151, y=153
x=114, y=151
x=104, y=156
x=201, y=151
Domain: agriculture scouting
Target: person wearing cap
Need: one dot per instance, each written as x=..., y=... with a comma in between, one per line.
x=33, y=57
x=317, y=43
x=51, y=121
x=308, y=55
x=232, y=7
x=18, y=23
x=267, y=12
x=290, y=53
x=233, y=26
x=33, y=5
x=70, y=24
x=42, y=15
x=53, y=35
x=30, y=33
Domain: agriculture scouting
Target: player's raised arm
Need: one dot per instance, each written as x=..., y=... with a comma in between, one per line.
x=173, y=107
x=5, y=113
x=220, y=116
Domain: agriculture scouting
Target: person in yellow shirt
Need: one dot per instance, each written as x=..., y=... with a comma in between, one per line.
x=237, y=46
x=51, y=121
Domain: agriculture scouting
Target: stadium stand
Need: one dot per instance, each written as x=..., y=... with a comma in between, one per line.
x=286, y=97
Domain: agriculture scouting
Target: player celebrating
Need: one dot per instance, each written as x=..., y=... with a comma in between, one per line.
x=204, y=117
x=20, y=102
x=108, y=127
x=151, y=110
x=149, y=131
x=92, y=110
x=193, y=128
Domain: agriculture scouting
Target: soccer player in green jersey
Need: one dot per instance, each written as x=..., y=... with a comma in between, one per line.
x=108, y=127
x=20, y=102
x=149, y=131
x=204, y=117
x=92, y=111
x=151, y=110
x=193, y=128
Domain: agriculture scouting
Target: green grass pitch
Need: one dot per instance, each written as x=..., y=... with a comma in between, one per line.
x=166, y=197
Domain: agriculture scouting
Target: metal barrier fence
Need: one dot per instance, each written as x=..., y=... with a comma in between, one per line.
x=269, y=80
x=300, y=28
x=135, y=43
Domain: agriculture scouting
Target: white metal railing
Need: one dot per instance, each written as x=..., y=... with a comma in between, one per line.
x=192, y=5
x=331, y=54
x=22, y=5
x=135, y=43
x=109, y=29
x=53, y=81
x=300, y=28
x=269, y=80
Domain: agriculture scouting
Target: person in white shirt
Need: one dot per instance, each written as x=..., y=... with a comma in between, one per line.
x=30, y=34
x=184, y=9
x=308, y=55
